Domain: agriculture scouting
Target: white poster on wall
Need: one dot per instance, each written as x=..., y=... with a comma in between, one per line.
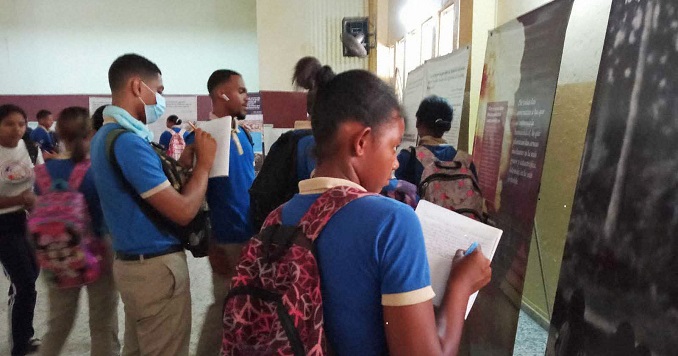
x=96, y=101
x=446, y=77
x=412, y=96
x=443, y=76
x=185, y=107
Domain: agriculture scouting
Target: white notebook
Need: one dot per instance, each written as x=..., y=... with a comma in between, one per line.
x=445, y=232
x=220, y=129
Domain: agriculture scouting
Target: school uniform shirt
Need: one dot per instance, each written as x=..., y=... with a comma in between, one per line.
x=228, y=197
x=412, y=171
x=131, y=230
x=305, y=157
x=370, y=254
x=16, y=172
x=43, y=138
x=62, y=169
x=166, y=136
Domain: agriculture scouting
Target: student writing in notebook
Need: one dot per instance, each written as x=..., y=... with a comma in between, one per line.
x=375, y=278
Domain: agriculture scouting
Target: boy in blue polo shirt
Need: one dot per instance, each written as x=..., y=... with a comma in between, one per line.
x=228, y=199
x=42, y=135
x=150, y=267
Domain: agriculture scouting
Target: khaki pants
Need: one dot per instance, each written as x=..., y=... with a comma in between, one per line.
x=157, y=297
x=224, y=259
x=103, y=317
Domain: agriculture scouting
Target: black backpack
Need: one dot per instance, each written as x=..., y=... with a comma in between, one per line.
x=194, y=236
x=277, y=182
x=32, y=149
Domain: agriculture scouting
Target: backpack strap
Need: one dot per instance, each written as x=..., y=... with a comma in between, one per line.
x=78, y=174
x=182, y=132
x=42, y=178
x=424, y=155
x=327, y=204
x=464, y=158
x=145, y=206
x=274, y=218
x=320, y=211
x=249, y=136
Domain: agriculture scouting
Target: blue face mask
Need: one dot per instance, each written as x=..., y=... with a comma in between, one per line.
x=155, y=111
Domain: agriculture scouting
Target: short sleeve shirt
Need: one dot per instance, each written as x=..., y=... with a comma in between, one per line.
x=43, y=138
x=371, y=254
x=228, y=197
x=16, y=172
x=132, y=232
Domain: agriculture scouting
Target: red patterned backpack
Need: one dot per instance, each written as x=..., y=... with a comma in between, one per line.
x=450, y=184
x=275, y=304
x=60, y=227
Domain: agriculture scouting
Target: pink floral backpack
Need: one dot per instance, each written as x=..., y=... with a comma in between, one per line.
x=450, y=184
x=60, y=227
x=177, y=144
x=275, y=303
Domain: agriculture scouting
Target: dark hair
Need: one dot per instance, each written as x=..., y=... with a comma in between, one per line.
x=174, y=119
x=310, y=74
x=42, y=114
x=435, y=113
x=8, y=109
x=219, y=77
x=305, y=71
x=130, y=65
x=355, y=95
x=98, y=118
x=73, y=126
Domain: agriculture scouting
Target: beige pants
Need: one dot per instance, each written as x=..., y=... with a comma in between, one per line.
x=157, y=297
x=103, y=317
x=226, y=256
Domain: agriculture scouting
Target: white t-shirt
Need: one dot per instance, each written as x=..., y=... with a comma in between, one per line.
x=16, y=172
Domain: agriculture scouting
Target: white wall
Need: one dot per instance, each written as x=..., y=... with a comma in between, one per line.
x=291, y=29
x=583, y=40
x=484, y=20
x=66, y=46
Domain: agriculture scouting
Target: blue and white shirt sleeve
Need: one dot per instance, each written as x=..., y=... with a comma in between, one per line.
x=165, y=139
x=140, y=165
x=42, y=138
x=403, y=265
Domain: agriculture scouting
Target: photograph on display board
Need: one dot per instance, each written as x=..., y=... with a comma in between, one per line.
x=520, y=76
x=617, y=293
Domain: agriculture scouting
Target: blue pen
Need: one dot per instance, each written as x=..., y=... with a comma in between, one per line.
x=471, y=248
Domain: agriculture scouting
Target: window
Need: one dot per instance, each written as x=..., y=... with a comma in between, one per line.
x=412, y=51
x=449, y=31
x=428, y=39
x=399, y=70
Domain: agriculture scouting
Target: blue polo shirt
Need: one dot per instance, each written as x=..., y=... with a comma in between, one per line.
x=62, y=169
x=166, y=137
x=411, y=171
x=371, y=254
x=228, y=197
x=43, y=138
x=131, y=230
x=305, y=157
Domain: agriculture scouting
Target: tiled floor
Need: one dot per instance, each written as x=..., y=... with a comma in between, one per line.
x=78, y=342
x=530, y=340
x=531, y=337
